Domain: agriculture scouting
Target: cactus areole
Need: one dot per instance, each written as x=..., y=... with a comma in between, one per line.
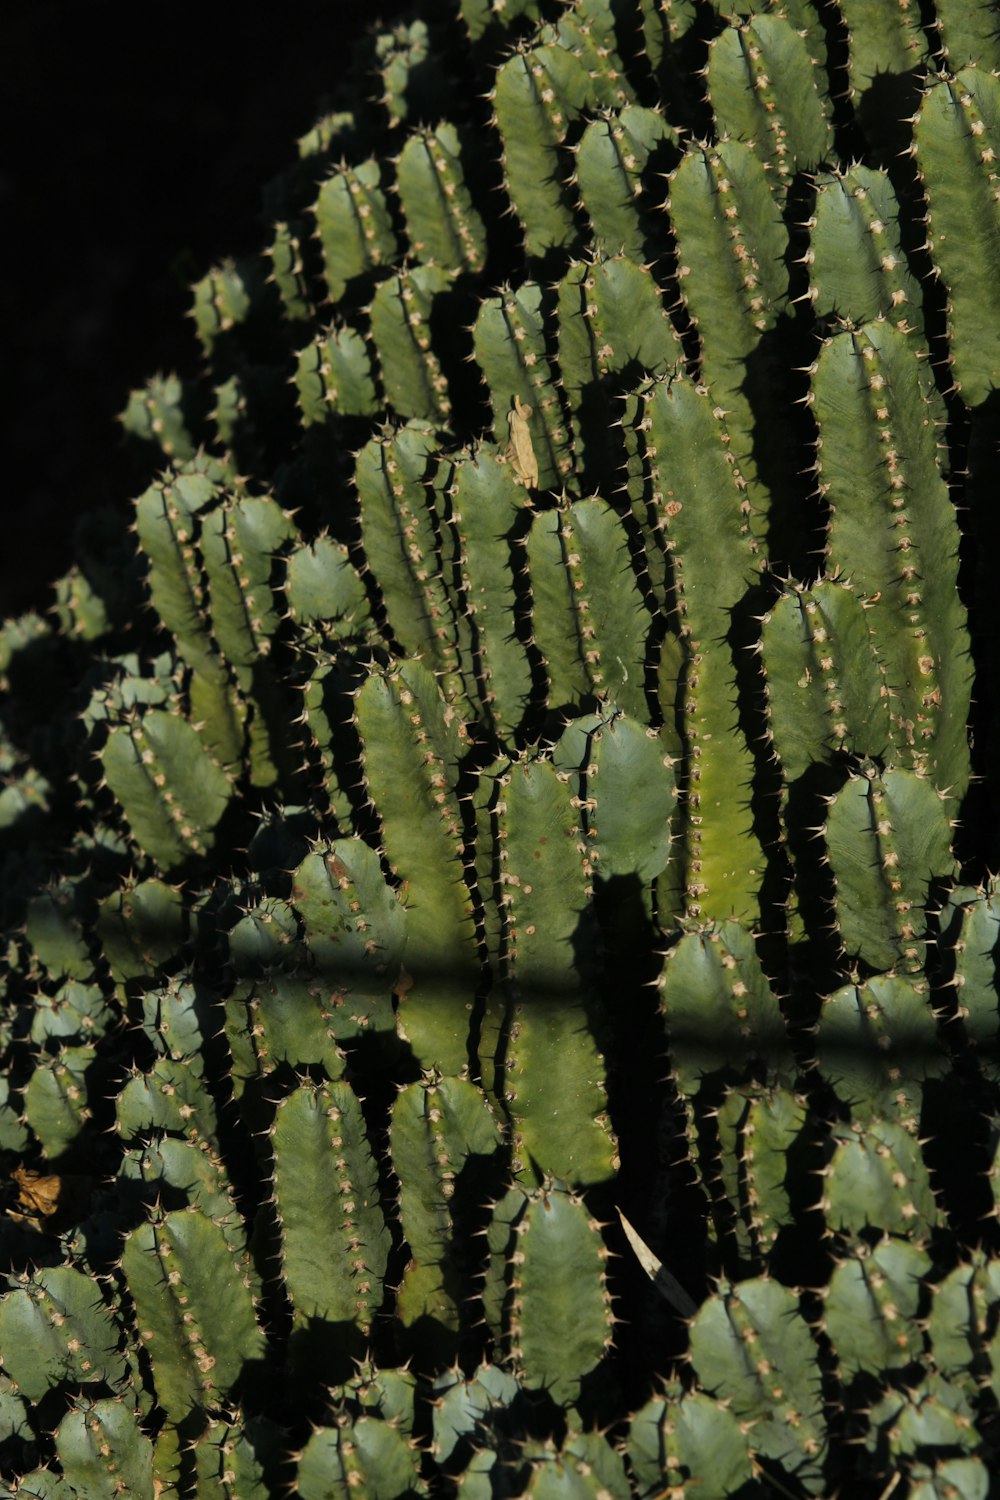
x=501, y=959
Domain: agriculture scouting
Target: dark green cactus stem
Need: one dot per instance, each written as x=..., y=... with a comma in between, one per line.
x=485, y=504
x=871, y=1308
x=510, y=347
x=156, y=415
x=612, y=155
x=611, y=321
x=613, y=754
x=538, y=93
x=699, y=499
x=912, y=1433
x=588, y=618
x=194, y=1308
x=826, y=688
x=967, y=33
x=721, y=196
x=335, y=376
x=959, y=1322
x=169, y=1096
x=557, y=1315
x=857, y=267
x=412, y=746
x=889, y=40
x=324, y=1174
x=354, y=226
x=140, y=927
x=400, y=313
x=236, y=1458
x=878, y=1179
x=441, y=221
x=166, y=526
x=103, y=1451
x=765, y=89
x=956, y=137
x=877, y=1045
x=767, y=1378
x=758, y=1131
x=54, y=1329
x=437, y=1128
x=679, y=1436
x=562, y=1128
x=872, y=393
x=368, y=1458
x=55, y=1098
x=171, y=790
x=888, y=838
x=970, y=925
x=288, y=270
x=401, y=537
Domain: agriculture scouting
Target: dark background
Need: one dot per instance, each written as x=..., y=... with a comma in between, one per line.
x=131, y=162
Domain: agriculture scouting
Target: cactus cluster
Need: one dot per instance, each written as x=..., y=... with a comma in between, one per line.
x=501, y=960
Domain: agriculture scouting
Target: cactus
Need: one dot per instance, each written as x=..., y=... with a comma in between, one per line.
x=515, y=784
